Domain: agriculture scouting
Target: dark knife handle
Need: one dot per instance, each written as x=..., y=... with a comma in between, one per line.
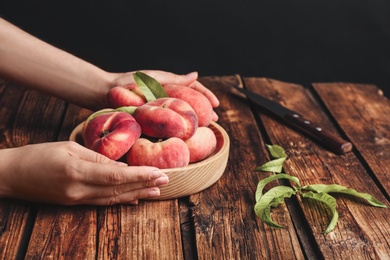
x=324, y=137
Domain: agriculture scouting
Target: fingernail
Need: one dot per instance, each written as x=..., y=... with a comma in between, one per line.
x=162, y=180
x=193, y=74
x=154, y=193
x=156, y=174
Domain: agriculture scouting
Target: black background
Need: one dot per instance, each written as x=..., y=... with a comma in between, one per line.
x=291, y=40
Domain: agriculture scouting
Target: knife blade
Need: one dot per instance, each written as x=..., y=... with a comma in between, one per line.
x=334, y=143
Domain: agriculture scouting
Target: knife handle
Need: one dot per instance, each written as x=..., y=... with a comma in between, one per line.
x=326, y=138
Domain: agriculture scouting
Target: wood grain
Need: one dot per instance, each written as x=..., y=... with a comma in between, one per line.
x=26, y=117
x=13, y=216
x=219, y=222
x=150, y=230
x=352, y=103
x=61, y=232
x=311, y=163
x=225, y=223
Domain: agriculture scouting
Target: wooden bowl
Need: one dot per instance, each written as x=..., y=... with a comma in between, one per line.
x=185, y=181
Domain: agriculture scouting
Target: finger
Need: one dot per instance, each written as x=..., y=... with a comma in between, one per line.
x=95, y=168
x=131, y=197
x=108, y=174
x=86, y=154
x=215, y=117
x=164, y=77
x=97, y=191
x=206, y=92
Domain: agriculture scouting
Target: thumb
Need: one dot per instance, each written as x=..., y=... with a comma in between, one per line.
x=89, y=155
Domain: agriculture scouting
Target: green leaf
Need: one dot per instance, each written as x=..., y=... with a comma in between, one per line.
x=128, y=109
x=265, y=181
x=328, y=201
x=335, y=188
x=275, y=165
x=150, y=87
x=276, y=151
x=272, y=198
x=272, y=166
x=318, y=192
x=100, y=112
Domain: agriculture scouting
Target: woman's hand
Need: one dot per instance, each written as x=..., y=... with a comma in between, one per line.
x=68, y=173
x=163, y=77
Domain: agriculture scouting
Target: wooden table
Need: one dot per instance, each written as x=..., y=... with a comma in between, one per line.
x=219, y=222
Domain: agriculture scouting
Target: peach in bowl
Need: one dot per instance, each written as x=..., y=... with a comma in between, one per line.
x=196, y=176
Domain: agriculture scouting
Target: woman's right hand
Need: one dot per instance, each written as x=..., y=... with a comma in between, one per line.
x=68, y=173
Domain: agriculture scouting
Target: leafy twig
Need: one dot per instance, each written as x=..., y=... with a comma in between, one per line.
x=318, y=192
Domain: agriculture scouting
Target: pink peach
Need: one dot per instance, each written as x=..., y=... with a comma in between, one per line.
x=167, y=117
x=202, y=144
x=171, y=153
x=129, y=95
x=197, y=101
x=111, y=133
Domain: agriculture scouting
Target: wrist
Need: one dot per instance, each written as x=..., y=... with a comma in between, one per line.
x=106, y=81
x=103, y=83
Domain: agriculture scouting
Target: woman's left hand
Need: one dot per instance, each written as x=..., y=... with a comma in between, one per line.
x=189, y=80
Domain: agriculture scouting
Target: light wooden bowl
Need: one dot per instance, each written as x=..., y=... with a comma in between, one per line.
x=185, y=181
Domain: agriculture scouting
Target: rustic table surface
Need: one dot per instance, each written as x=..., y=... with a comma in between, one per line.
x=219, y=222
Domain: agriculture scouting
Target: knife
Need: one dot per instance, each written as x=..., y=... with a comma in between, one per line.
x=323, y=136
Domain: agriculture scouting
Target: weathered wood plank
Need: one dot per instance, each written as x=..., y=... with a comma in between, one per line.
x=65, y=232
x=21, y=111
x=226, y=226
x=371, y=136
x=38, y=119
x=10, y=98
x=361, y=229
x=13, y=224
x=61, y=233
x=150, y=230
x=13, y=216
x=187, y=230
x=223, y=216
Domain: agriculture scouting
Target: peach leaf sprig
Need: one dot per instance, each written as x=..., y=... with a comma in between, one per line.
x=150, y=87
x=319, y=192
